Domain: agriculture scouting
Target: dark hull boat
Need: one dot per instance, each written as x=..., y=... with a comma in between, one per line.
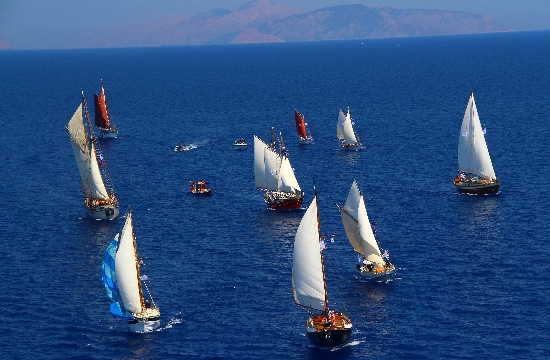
x=331, y=334
x=280, y=200
x=476, y=174
x=477, y=187
x=275, y=177
x=330, y=328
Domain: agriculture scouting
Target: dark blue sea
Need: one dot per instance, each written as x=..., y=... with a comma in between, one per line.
x=473, y=279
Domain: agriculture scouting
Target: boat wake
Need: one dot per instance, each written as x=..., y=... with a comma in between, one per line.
x=171, y=323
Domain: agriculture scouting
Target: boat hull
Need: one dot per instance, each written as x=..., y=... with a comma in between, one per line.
x=104, y=212
x=477, y=188
x=351, y=147
x=279, y=200
x=383, y=276
x=142, y=326
x=329, y=338
x=306, y=141
x=108, y=133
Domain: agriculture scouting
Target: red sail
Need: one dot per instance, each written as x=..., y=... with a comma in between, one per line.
x=101, y=118
x=300, y=124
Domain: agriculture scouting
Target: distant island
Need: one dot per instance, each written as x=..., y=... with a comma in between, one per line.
x=4, y=45
x=262, y=21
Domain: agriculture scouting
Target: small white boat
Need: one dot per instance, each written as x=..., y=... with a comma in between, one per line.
x=240, y=144
x=125, y=283
x=345, y=132
x=184, y=147
x=372, y=264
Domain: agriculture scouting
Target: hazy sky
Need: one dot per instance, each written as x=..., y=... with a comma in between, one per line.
x=43, y=24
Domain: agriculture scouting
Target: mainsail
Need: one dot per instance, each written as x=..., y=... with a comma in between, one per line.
x=100, y=107
x=307, y=267
x=259, y=162
x=344, y=128
x=358, y=227
x=473, y=155
x=300, y=124
x=86, y=159
x=127, y=273
x=272, y=171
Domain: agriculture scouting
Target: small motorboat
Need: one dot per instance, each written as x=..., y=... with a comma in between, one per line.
x=184, y=147
x=240, y=144
x=199, y=187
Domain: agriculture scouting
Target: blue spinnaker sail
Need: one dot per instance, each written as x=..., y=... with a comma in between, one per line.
x=117, y=310
x=109, y=280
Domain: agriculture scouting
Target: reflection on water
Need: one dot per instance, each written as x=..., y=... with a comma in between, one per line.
x=140, y=345
x=480, y=214
x=277, y=224
x=350, y=157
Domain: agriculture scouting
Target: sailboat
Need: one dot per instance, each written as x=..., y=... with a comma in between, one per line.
x=275, y=176
x=124, y=282
x=301, y=128
x=372, y=264
x=346, y=132
x=107, y=127
x=329, y=328
x=476, y=173
x=101, y=202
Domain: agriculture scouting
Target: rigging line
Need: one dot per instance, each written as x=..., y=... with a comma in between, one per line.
x=149, y=292
x=338, y=288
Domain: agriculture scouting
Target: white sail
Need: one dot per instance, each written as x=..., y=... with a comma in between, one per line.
x=473, y=155
x=352, y=202
x=288, y=179
x=307, y=270
x=349, y=218
x=259, y=166
x=126, y=269
x=370, y=248
x=81, y=151
x=349, y=134
x=340, y=125
x=99, y=190
x=90, y=176
x=272, y=163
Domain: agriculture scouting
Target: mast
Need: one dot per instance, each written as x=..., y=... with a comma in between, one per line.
x=91, y=135
x=273, y=142
x=320, y=250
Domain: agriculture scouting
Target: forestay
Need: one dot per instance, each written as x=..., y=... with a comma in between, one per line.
x=126, y=269
x=307, y=269
x=473, y=155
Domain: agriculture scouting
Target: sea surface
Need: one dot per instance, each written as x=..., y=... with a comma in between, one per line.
x=473, y=279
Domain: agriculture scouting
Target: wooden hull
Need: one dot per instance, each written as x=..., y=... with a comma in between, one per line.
x=385, y=275
x=279, y=200
x=335, y=333
x=477, y=187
